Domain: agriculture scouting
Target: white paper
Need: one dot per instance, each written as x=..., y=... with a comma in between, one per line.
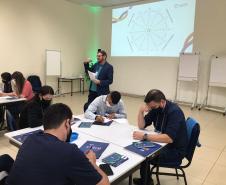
x=92, y=75
x=121, y=120
x=106, y=120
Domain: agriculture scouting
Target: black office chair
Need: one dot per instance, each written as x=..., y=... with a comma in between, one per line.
x=193, y=130
x=35, y=83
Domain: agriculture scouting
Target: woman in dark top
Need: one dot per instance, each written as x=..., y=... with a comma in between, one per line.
x=6, y=80
x=32, y=114
x=6, y=89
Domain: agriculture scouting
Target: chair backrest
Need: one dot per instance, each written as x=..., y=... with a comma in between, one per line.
x=35, y=83
x=193, y=130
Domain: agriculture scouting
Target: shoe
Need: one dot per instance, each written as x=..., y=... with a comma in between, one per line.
x=138, y=181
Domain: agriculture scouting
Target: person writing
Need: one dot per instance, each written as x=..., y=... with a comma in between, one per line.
x=110, y=106
x=169, y=121
x=46, y=158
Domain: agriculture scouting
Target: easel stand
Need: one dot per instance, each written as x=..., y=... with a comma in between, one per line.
x=188, y=71
x=217, y=78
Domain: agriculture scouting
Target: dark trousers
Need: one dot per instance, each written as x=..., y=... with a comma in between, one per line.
x=15, y=110
x=167, y=155
x=92, y=95
x=6, y=162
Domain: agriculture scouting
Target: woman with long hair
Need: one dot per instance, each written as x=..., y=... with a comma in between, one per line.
x=21, y=87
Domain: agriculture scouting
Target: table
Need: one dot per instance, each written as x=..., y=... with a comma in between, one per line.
x=96, y=133
x=121, y=172
x=70, y=80
x=7, y=100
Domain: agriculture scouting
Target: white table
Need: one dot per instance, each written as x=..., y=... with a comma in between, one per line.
x=4, y=100
x=119, y=132
x=70, y=80
x=131, y=165
x=118, y=135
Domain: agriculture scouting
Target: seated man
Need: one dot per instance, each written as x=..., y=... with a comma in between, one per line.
x=32, y=113
x=46, y=158
x=110, y=106
x=168, y=119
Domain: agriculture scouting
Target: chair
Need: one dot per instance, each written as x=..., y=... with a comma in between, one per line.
x=193, y=130
x=35, y=83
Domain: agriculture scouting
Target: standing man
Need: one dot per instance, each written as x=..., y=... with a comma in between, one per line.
x=169, y=121
x=104, y=77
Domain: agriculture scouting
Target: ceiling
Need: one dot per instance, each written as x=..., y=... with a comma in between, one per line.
x=104, y=3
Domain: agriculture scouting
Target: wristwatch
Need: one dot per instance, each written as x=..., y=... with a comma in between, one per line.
x=145, y=137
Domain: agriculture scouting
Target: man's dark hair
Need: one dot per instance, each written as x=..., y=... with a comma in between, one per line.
x=102, y=52
x=46, y=90
x=154, y=95
x=55, y=115
x=115, y=97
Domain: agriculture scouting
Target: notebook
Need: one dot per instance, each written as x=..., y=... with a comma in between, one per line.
x=21, y=138
x=97, y=147
x=115, y=159
x=108, y=123
x=85, y=125
x=74, y=121
x=143, y=148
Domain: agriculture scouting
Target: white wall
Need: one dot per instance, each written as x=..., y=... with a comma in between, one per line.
x=28, y=27
x=140, y=74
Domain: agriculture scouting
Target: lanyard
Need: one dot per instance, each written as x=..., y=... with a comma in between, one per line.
x=157, y=121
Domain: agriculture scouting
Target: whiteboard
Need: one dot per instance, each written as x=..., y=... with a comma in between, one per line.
x=218, y=71
x=53, y=63
x=188, y=67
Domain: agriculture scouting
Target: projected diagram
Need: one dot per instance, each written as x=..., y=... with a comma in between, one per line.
x=150, y=31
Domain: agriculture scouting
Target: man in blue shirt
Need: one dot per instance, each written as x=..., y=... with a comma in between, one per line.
x=169, y=121
x=104, y=77
x=46, y=158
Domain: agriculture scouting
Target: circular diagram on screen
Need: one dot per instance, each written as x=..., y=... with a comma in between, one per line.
x=150, y=31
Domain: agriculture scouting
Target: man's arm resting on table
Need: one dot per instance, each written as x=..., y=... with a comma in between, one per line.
x=161, y=138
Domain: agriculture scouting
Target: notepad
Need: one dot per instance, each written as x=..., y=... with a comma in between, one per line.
x=115, y=159
x=92, y=75
x=143, y=144
x=85, y=125
x=108, y=123
x=97, y=147
x=12, y=98
x=21, y=138
x=74, y=120
x=143, y=149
